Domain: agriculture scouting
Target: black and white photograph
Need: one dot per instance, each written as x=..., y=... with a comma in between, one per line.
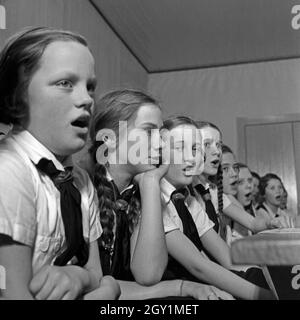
x=149, y=154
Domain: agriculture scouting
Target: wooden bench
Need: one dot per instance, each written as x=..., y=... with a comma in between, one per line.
x=278, y=253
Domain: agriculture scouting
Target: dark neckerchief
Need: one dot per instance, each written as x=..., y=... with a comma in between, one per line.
x=174, y=269
x=117, y=261
x=70, y=204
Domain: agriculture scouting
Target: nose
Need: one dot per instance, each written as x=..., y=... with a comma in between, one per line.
x=156, y=140
x=83, y=99
x=155, y=144
x=189, y=157
x=232, y=172
x=249, y=186
x=215, y=150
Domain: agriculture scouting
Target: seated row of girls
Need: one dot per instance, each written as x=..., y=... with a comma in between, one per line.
x=49, y=211
x=238, y=185
x=186, y=259
x=219, y=177
x=129, y=195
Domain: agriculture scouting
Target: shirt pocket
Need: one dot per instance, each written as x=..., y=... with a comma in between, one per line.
x=50, y=246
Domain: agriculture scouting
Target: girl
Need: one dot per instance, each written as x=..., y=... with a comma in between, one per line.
x=48, y=216
x=195, y=228
x=244, y=198
x=133, y=245
x=255, y=192
x=227, y=172
x=245, y=188
x=271, y=192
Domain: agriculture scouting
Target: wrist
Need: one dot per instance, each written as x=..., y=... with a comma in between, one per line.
x=256, y=228
x=149, y=182
x=83, y=277
x=181, y=288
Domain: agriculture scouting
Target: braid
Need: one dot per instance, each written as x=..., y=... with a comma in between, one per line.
x=219, y=179
x=106, y=205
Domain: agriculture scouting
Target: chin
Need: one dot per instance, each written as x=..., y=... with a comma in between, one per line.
x=73, y=148
x=210, y=171
x=144, y=167
x=230, y=191
x=187, y=180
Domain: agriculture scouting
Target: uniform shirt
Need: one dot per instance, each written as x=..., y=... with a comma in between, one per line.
x=213, y=190
x=4, y=130
x=30, y=203
x=171, y=218
x=261, y=212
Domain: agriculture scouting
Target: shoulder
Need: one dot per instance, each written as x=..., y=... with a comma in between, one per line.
x=261, y=211
x=12, y=166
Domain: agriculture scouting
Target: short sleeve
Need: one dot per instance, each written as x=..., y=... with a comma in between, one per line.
x=202, y=221
x=262, y=213
x=95, y=225
x=214, y=199
x=168, y=220
x=226, y=201
x=17, y=198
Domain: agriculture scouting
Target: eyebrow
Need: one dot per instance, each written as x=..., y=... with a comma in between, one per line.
x=70, y=74
x=149, y=125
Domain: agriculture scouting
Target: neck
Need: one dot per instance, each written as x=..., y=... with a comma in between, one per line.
x=203, y=177
x=61, y=159
x=173, y=183
x=121, y=177
x=272, y=207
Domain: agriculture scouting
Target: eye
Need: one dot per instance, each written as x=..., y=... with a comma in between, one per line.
x=196, y=147
x=179, y=147
x=206, y=144
x=219, y=145
x=65, y=84
x=225, y=169
x=236, y=168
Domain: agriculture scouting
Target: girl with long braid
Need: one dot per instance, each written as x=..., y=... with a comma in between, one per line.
x=132, y=245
